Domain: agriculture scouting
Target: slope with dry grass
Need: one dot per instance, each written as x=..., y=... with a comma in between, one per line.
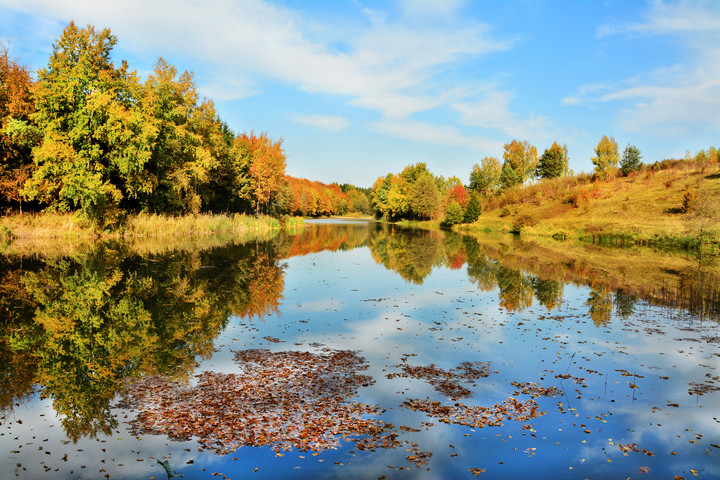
x=678, y=205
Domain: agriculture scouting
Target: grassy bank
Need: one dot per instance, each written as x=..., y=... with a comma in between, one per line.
x=69, y=226
x=676, y=207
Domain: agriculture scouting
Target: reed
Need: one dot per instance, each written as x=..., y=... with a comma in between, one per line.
x=65, y=226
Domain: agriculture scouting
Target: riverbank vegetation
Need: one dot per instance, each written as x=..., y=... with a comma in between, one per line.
x=89, y=137
x=672, y=203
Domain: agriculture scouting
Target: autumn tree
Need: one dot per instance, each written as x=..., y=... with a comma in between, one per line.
x=458, y=194
x=401, y=190
x=712, y=155
x=425, y=198
x=485, y=178
x=358, y=201
x=522, y=158
x=17, y=133
x=398, y=196
x=95, y=139
x=265, y=160
x=551, y=164
x=186, y=139
x=606, y=158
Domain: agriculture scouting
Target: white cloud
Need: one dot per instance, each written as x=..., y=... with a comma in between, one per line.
x=227, y=89
x=493, y=112
x=438, y=135
x=381, y=60
x=674, y=99
x=662, y=19
x=325, y=122
x=431, y=9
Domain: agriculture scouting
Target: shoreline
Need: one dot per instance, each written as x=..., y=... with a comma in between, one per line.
x=71, y=226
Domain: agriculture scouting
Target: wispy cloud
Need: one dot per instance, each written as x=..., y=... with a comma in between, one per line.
x=493, y=112
x=227, y=89
x=677, y=98
x=663, y=19
x=434, y=134
x=386, y=64
x=324, y=122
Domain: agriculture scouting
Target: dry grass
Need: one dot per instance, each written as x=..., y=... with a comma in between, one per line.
x=54, y=225
x=67, y=234
x=643, y=208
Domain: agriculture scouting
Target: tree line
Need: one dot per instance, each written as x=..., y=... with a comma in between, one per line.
x=417, y=194
x=89, y=136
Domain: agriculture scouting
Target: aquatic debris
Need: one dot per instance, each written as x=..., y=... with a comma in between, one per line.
x=283, y=400
x=446, y=381
x=702, y=388
x=633, y=447
x=418, y=457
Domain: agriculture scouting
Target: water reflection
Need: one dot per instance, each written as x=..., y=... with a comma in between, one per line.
x=76, y=326
x=79, y=326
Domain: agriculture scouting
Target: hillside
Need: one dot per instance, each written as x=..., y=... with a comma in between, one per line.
x=672, y=203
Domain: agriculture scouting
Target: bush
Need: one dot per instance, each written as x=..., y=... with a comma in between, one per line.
x=690, y=201
x=453, y=214
x=521, y=222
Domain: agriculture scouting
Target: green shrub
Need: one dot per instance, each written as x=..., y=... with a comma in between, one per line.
x=453, y=214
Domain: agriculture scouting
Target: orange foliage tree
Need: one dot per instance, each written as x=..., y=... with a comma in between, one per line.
x=266, y=166
x=17, y=134
x=313, y=198
x=459, y=194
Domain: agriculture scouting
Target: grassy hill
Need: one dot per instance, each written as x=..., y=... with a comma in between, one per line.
x=672, y=203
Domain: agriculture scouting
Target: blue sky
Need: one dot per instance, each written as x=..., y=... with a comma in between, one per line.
x=358, y=89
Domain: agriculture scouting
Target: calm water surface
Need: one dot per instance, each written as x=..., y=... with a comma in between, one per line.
x=357, y=350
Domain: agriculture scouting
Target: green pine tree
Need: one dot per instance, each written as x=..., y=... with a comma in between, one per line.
x=473, y=210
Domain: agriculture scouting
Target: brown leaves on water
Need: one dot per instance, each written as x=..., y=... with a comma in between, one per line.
x=491, y=416
x=418, y=457
x=633, y=447
x=702, y=388
x=283, y=400
x=447, y=382
x=534, y=390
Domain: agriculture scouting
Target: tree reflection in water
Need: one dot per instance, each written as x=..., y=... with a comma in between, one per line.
x=76, y=327
x=80, y=326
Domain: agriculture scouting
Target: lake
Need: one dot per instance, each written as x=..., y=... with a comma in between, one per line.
x=356, y=349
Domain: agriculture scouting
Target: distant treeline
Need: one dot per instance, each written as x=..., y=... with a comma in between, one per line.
x=89, y=136
x=418, y=194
